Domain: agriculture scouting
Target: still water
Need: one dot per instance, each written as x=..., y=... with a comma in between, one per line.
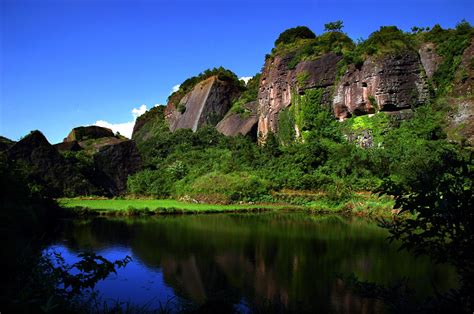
x=288, y=261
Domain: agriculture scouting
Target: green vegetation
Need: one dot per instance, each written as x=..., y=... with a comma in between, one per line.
x=144, y=206
x=249, y=94
x=450, y=44
x=334, y=26
x=185, y=87
x=292, y=34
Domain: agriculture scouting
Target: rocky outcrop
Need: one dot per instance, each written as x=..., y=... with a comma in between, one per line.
x=5, y=143
x=429, y=58
x=390, y=83
x=278, y=82
x=113, y=157
x=464, y=81
x=461, y=121
x=68, y=146
x=240, y=123
x=205, y=104
x=151, y=123
x=47, y=168
x=114, y=164
x=88, y=132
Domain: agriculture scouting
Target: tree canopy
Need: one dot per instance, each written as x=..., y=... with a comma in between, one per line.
x=292, y=34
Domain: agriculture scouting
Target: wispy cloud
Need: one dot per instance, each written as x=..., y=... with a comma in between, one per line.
x=246, y=79
x=175, y=88
x=125, y=128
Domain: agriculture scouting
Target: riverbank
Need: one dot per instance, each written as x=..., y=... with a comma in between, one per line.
x=361, y=204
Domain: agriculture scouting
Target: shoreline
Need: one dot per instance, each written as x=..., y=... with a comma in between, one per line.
x=368, y=206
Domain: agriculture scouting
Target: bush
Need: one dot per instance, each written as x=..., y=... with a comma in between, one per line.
x=292, y=34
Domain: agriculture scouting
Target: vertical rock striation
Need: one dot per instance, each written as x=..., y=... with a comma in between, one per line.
x=390, y=83
x=278, y=82
x=205, y=104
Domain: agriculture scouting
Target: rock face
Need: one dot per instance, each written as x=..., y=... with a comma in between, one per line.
x=461, y=122
x=5, y=143
x=390, y=83
x=114, y=157
x=68, y=146
x=150, y=124
x=205, y=104
x=429, y=58
x=235, y=123
x=47, y=167
x=88, y=132
x=115, y=163
x=278, y=82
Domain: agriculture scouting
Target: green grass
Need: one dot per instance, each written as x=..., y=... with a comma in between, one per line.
x=364, y=204
x=146, y=206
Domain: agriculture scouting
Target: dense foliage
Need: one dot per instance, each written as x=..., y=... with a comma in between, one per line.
x=248, y=95
x=292, y=34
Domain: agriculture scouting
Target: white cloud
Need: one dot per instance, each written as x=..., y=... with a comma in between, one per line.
x=138, y=112
x=175, y=88
x=125, y=128
x=246, y=79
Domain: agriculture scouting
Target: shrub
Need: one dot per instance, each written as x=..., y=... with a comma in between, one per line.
x=292, y=34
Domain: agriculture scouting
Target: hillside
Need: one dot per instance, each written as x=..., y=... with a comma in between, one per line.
x=325, y=114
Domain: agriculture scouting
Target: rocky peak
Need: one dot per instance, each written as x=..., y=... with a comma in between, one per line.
x=5, y=143
x=47, y=167
x=205, y=104
x=83, y=133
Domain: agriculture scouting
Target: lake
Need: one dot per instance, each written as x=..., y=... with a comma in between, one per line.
x=270, y=261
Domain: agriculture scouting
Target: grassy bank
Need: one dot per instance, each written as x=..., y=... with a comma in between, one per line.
x=83, y=206
x=364, y=204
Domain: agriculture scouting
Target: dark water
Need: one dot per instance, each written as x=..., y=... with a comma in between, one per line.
x=288, y=260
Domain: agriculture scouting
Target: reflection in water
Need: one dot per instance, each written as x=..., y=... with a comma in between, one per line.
x=284, y=259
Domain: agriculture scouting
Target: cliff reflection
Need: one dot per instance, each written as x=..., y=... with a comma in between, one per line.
x=285, y=259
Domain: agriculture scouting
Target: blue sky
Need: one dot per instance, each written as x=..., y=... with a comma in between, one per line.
x=66, y=63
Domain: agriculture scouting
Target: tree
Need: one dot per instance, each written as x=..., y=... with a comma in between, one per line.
x=440, y=199
x=292, y=34
x=334, y=26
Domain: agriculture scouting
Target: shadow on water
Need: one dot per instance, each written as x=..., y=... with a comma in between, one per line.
x=263, y=263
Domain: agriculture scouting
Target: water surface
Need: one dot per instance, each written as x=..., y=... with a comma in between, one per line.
x=285, y=260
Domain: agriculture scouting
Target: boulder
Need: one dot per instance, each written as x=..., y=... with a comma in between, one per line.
x=240, y=123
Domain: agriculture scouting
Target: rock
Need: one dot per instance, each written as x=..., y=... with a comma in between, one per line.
x=115, y=163
x=464, y=80
x=72, y=146
x=461, y=100
x=240, y=123
x=278, y=82
x=429, y=58
x=389, y=83
x=5, y=143
x=205, y=104
x=151, y=123
x=47, y=168
x=88, y=132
